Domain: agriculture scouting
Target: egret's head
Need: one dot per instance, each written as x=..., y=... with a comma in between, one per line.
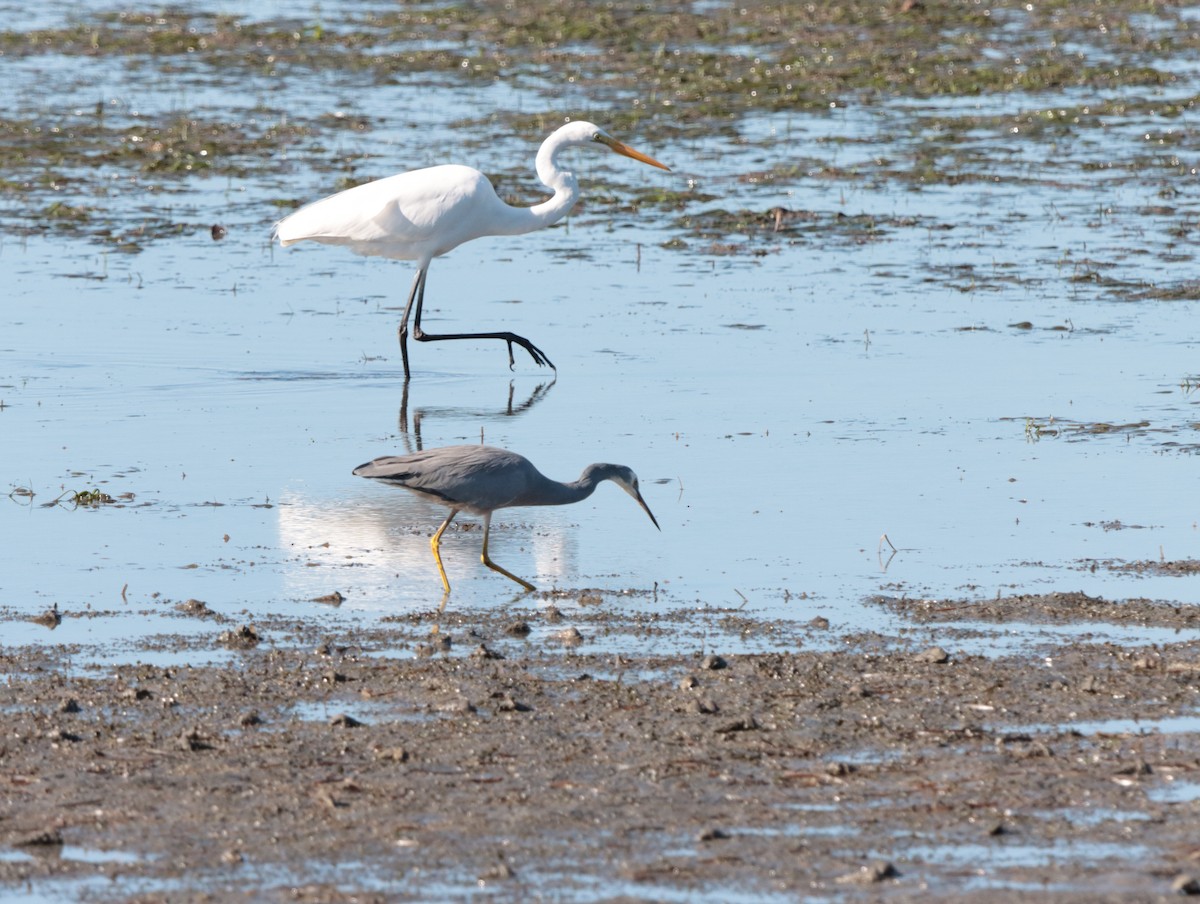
x=625, y=150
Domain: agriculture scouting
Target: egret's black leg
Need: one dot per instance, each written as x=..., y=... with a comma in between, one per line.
x=539, y=356
x=418, y=294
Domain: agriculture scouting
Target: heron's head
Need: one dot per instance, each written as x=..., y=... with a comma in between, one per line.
x=627, y=480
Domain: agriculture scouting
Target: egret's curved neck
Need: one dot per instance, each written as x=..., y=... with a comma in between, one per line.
x=566, y=192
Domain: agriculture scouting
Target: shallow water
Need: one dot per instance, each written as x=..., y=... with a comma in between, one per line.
x=787, y=400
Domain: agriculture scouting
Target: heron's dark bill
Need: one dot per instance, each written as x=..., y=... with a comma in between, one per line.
x=646, y=509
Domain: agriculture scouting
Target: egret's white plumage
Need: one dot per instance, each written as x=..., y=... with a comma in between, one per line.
x=419, y=215
x=481, y=479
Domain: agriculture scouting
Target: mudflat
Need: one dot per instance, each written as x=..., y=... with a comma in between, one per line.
x=497, y=756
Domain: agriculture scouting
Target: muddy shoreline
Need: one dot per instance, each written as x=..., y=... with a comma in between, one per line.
x=500, y=757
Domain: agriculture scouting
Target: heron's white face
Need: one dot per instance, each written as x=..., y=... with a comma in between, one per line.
x=628, y=481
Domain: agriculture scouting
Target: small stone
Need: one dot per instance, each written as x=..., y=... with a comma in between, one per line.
x=69, y=706
x=250, y=719
x=508, y=705
x=839, y=769
x=569, y=636
x=341, y=720
x=192, y=741
x=241, y=638
x=712, y=662
x=518, y=629
x=1185, y=884
x=997, y=829
x=935, y=655
x=195, y=608
x=747, y=724
x=48, y=619
x=499, y=871
x=869, y=874
x=1141, y=767
x=58, y=735
x=329, y=599
x=712, y=835
x=47, y=838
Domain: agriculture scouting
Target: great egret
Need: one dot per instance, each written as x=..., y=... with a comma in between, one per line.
x=481, y=479
x=422, y=214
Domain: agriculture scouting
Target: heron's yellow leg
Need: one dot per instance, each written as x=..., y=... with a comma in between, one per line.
x=437, y=556
x=487, y=528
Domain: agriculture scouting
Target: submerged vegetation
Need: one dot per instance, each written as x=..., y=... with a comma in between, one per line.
x=963, y=93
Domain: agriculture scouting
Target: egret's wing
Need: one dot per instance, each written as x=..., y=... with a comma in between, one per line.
x=406, y=216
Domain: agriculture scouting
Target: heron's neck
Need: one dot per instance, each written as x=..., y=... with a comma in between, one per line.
x=553, y=492
x=566, y=192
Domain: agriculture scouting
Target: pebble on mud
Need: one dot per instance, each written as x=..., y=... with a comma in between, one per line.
x=747, y=724
x=48, y=619
x=46, y=838
x=438, y=643
x=569, y=636
x=240, y=638
x=1185, y=884
x=508, y=705
x=192, y=741
x=329, y=599
x=499, y=871
x=869, y=874
x=934, y=654
x=195, y=608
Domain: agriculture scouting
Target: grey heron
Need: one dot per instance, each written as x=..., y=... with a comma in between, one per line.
x=481, y=479
x=423, y=214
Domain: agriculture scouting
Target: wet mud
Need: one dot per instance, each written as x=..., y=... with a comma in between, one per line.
x=499, y=757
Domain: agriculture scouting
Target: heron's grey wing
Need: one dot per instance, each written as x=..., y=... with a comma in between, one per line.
x=478, y=479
